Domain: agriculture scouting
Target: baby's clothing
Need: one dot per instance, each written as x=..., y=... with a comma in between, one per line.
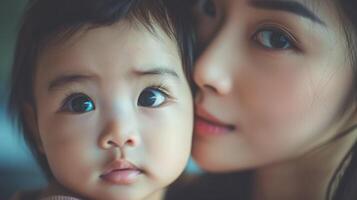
x=57, y=197
x=35, y=195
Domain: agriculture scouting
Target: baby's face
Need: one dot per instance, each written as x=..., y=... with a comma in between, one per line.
x=114, y=112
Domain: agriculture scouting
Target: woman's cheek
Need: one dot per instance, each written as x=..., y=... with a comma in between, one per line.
x=274, y=108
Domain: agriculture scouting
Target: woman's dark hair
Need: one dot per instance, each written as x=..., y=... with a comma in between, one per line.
x=47, y=21
x=343, y=185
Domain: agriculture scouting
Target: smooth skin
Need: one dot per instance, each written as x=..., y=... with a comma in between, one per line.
x=109, y=94
x=275, y=84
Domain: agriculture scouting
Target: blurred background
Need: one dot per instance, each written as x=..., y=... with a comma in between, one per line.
x=18, y=170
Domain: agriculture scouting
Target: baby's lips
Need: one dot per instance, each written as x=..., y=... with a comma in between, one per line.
x=121, y=172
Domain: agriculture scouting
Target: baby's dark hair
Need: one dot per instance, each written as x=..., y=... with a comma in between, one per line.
x=47, y=21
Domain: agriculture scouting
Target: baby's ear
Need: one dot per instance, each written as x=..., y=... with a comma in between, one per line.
x=30, y=118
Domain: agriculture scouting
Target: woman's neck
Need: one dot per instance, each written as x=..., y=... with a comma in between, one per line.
x=305, y=178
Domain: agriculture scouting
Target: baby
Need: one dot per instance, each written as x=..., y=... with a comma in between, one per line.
x=101, y=92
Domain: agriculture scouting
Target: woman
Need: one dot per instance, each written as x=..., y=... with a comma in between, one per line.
x=277, y=96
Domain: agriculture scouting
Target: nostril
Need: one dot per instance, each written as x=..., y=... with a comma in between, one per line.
x=130, y=142
x=111, y=143
x=210, y=88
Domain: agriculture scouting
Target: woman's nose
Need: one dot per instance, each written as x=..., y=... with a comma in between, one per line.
x=119, y=133
x=213, y=71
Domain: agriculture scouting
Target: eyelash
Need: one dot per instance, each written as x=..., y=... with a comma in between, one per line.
x=280, y=30
x=162, y=88
x=148, y=101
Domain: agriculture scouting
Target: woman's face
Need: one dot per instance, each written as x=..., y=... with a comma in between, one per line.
x=274, y=78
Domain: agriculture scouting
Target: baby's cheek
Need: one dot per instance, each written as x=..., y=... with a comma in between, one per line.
x=167, y=147
x=66, y=131
x=67, y=144
x=71, y=161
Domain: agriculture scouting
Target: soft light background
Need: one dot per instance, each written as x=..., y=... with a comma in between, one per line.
x=18, y=170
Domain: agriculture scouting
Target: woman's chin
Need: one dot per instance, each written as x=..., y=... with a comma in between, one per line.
x=213, y=165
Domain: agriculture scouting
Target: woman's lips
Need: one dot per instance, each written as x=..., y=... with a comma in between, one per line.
x=121, y=172
x=206, y=124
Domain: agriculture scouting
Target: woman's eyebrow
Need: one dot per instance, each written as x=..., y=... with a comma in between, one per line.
x=63, y=80
x=288, y=6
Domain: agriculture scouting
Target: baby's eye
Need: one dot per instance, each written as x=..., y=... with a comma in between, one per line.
x=78, y=103
x=152, y=97
x=273, y=39
x=207, y=7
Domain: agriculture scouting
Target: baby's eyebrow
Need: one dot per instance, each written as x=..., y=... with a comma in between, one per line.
x=161, y=71
x=66, y=79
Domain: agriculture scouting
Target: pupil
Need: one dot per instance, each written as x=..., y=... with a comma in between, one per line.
x=147, y=98
x=278, y=40
x=82, y=104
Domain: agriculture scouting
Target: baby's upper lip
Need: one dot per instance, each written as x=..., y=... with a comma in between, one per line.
x=203, y=114
x=120, y=165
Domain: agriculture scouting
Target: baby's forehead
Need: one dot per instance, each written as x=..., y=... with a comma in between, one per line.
x=70, y=35
x=123, y=34
x=111, y=48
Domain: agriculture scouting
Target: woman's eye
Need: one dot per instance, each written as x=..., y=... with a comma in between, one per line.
x=78, y=103
x=274, y=39
x=151, y=97
x=207, y=7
